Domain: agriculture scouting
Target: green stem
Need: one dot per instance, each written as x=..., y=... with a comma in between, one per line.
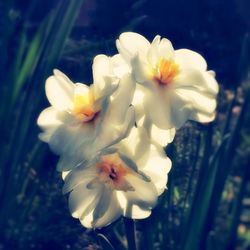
x=130, y=232
x=148, y=234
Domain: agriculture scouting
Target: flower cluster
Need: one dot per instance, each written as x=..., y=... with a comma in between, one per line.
x=110, y=136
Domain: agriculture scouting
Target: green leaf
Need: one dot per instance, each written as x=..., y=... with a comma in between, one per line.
x=105, y=243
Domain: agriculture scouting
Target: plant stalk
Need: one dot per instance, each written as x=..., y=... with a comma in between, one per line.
x=130, y=232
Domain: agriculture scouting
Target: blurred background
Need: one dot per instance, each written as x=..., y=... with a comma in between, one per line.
x=207, y=204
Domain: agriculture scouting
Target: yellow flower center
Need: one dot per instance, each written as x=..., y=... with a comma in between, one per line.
x=165, y=71
x=84, y=108
x=112, y=170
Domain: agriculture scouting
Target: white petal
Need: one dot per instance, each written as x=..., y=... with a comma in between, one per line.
x=59, y=90
x=105, y=80
x=46, y=135
x=102, y=205
x=49, y=122
x=138, y=101
x=200, y=102
x=121, y=99
x=136, y=211
x=186, y=104
x=81, y=89
x=64, y=174
x=153, y=55
x=166, y=49
x=101, y=69
x=156, y=165
x=211, y=73
x=101, y=210
x=123, y=51
x=78, y=177
x=136, y=144
x=48, y=118
x=188, y=59
x=141, y=71
x=196, y=80
x=131, y=142
x=180, y=112
x=112, y=133
x=144, y=196
x=119, y=65
x=162, y=136
x=111, y=209
x=69, y=161
x=160, y=48
x=67, y=138
x=82, y=199
x=120, y=117
x=158, y=109
x=131, y=43
x=211, y=82
x=62, y=76
x=204, y=118
x=154, y=134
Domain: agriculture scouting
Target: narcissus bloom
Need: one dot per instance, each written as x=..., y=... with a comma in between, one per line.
x=179, y=87
x=123, y=180
x=80, y=113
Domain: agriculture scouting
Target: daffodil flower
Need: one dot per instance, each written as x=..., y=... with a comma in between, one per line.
x=124, y=180
x=179, y=87
x=79, y=114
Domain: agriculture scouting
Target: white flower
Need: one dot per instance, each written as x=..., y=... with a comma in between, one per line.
x=79, y=114
x=179, y=87
x=123, y=180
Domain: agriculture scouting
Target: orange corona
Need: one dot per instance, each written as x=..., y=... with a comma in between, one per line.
x=165, y=71
x=112, y=171
x=84, y=108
